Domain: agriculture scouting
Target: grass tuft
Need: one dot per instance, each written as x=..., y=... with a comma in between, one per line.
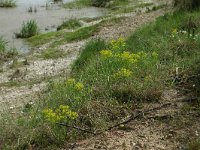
x=29, y=29
x=7, y=3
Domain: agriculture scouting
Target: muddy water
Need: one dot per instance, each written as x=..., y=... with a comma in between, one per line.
x=48, y=16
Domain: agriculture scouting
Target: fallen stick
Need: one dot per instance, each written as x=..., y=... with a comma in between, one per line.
x=132, y=117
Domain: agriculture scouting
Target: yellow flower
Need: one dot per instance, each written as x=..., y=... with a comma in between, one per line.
x=50, y=115
x=79, y=86
x=130, y=57
x=61, y=113
x=123, y=73
x=117, y=44
x=106, y=53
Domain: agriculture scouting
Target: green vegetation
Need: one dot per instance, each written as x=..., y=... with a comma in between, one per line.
x=29, y=29
x=78, y=4
x=108, y=80
x=6, y=54
x=70, y=24
x=187, y=4
x=45, y=38
x=96, y=3
x=7, y=3
x=61, y=37
x=52, y=54
x=90, y=51
x=2, y=45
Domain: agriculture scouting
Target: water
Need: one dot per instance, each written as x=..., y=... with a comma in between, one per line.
x=48, y=16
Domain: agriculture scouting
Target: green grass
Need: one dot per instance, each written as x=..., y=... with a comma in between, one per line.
x=7, y=3
x=78, y=4
x=61, y=37
x=80, y=34
x=90, y=51
x=2, y=45
x=52, y=54
x=29, y=29
x=6, y=54
x=107, y=83
x=96, y=3
x=69, y=24
x=45, y=38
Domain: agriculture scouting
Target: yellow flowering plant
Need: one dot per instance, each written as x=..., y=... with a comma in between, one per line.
x=62, y=114
x=123, y=73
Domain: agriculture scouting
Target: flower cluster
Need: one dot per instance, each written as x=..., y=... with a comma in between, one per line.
x=118, y=57
x=79, y=86
x=123, y=73
x=63, y=113
x=118, y=44
x=106, y=53
x=129, y=57
x=76, y=85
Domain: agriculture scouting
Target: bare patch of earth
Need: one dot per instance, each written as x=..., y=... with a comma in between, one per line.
x=164, y=128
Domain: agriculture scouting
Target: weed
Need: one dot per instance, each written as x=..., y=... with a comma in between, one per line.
x=29, y=29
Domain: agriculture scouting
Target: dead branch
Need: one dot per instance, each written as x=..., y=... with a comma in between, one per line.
x=137, y=115
x=125, y=121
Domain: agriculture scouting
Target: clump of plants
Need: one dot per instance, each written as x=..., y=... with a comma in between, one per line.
x=69, y=24
x=4, y=53
x=29, y=29
x=2, y=45
x=7, y=3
